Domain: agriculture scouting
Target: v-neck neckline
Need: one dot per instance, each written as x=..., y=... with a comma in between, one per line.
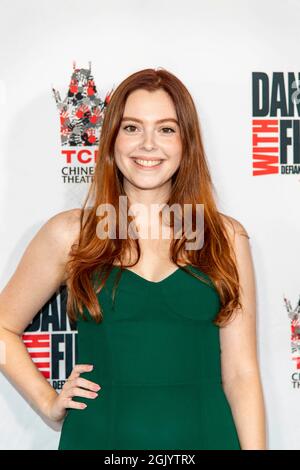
x=141, y=278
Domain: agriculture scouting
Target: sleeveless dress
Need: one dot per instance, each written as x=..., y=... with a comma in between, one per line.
x=156, y=356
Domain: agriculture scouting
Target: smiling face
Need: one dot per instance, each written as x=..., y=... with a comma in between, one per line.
x=148, y=146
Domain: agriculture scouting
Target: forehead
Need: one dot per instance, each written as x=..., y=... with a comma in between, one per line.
x=148, y=105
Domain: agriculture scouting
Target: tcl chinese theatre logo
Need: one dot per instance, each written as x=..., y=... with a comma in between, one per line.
x=294, y=317
x=81, y=115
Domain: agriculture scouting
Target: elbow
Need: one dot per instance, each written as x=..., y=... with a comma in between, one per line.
x=241, y=379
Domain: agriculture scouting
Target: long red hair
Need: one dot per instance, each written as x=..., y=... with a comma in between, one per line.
x=191, y=184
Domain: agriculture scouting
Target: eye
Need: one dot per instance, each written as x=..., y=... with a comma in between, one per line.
x=126, y=127
x=169, y=128
x=131, y=126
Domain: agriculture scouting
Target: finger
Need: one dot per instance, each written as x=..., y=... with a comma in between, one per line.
x=77, y=405
x=81, y=392
x=79, y=369
x=84, y=383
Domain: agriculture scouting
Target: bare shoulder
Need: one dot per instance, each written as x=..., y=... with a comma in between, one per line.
x=233, y=226
x=64, y=225
x=62, y=230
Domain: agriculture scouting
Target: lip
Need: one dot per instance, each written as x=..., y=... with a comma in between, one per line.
x=147, y=168
x=147, y=158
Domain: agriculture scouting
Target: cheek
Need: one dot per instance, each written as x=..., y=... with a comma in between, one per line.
x=175, y=151
x=123, y=144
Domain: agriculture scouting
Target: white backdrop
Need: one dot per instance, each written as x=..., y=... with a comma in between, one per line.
x=213, y=46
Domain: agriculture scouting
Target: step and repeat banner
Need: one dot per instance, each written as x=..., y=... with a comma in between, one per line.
x=239, y=60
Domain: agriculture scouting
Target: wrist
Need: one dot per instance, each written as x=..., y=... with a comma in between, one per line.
x=48, y=402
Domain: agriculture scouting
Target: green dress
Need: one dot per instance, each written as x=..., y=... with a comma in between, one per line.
x=156, y=355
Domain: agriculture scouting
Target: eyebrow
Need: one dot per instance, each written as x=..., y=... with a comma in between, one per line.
x=127, y=118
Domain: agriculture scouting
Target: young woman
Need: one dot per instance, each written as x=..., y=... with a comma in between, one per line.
x=166, y=328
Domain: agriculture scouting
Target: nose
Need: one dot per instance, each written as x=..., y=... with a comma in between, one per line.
x=148, y=140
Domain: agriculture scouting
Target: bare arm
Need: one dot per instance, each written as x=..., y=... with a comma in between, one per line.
x=240, y=369
x=39, y=274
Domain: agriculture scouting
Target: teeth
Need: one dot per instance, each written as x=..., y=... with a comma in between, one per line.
x=148, y=162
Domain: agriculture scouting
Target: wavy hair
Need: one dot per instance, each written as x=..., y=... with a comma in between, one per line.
x=191, y=184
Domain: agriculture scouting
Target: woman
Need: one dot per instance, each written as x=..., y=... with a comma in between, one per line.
x=166, y=328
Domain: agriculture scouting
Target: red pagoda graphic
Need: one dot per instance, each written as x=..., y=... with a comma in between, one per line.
x=294, y=316
x=82, y=110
